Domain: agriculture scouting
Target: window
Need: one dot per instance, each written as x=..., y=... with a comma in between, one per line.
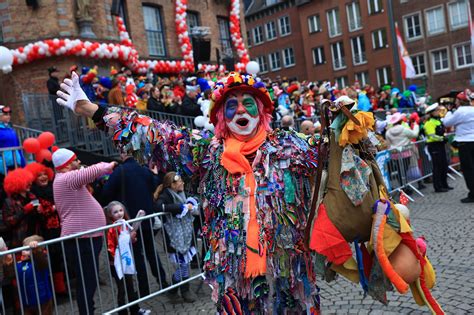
x=262, y=62
x=458, y=14
x=192, y=19
x=434, y=21
x=271, y=30
x=249, y=39
x=337, y=50
x=258, y=35
x=270, y=2
x=375, y=6
x=314, y=24
x=462, y=55
x=342, y=82
x=362, y=78
x=154, y=31
x=288, y=57
x=334, y=24
x=224, y=37
x=275, y=62
x=440, y=60
x=284, y=23
x=412, y=26
x=419, y=64
x=318, y=56
x=379, y=39
x=353, y=16
x=384, y=76
x=358, y=50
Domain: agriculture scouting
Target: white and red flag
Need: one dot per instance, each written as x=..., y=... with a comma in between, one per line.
x=408, y=71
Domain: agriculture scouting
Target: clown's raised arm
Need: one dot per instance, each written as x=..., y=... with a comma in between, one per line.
x=168, y=145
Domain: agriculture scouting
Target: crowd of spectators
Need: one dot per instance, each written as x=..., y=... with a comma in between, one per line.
x=181, y=94
x=40, y=204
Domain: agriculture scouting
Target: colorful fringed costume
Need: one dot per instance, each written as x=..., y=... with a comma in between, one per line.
x=258, y=202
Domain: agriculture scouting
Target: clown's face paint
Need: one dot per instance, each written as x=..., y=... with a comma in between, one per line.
x=241, y=114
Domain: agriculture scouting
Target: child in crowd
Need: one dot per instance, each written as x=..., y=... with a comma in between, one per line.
x=115, y=212
x=179, y=227
x=34, y=282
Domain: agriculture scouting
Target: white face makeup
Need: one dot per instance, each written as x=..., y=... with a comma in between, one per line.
x=241, y=114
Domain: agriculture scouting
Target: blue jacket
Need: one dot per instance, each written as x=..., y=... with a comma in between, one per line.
x=133, y=185
x=8, y=139
x=26, y=283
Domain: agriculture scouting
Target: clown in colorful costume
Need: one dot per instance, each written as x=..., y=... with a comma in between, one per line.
x=255, y=189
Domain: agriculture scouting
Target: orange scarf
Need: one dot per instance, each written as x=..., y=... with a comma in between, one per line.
x=234, y=161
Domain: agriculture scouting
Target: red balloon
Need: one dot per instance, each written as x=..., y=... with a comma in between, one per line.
x=54, y=148
x=42, y=155
x=31, y=145
x=46, y=139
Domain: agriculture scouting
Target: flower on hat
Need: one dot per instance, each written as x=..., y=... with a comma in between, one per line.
x=236, y=81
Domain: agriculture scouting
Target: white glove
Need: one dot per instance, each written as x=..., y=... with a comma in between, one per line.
x=72, y=93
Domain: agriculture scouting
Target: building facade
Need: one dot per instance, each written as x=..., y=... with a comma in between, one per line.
x=437, y=37
x=333, y=40
x=354, y=40
x=274, y=38
x=347, y=41
x=151, y=25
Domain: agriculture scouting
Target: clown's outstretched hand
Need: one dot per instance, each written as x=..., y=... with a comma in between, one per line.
x=73, y=97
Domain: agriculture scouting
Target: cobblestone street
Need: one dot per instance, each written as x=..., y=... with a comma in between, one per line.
x=447, y=225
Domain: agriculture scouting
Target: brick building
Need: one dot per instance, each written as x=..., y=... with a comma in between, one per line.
x=347, y=41
x=274, y=38
x=344, y=41
x=150, y=23
x=332, y=40
x=437, y=38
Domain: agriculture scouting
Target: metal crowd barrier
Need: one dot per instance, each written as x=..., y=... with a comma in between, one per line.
x=43, y=113
x=11, y=154
x=403, y=167
x=105, y=297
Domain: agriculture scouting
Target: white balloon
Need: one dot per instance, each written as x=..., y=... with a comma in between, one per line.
x=209, y=126
x=7, y=69
x=6, y=57
x=252, y=68
x=200, y=121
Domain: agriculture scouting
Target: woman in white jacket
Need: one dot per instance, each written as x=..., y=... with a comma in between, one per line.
x=399, y=136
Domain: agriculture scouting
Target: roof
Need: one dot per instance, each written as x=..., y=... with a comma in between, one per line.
x=260, y=5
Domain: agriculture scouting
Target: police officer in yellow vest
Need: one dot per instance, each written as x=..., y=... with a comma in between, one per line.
x=434, y=131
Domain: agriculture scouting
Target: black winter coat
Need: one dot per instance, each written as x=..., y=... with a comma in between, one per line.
x=133, y=185
x=190, y=107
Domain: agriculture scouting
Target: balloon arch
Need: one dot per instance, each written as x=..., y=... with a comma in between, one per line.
x=125, y=51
